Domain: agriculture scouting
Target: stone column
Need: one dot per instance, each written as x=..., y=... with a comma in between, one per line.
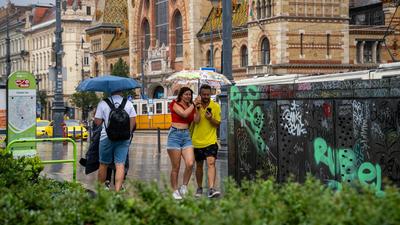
x=374, y=50
x=361, y=52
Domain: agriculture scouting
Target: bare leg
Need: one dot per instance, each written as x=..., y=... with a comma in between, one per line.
x=199, y=173
x=175, y=157
x=101, y=175
x=119, y=175
x=211, y=171
x=188, y=156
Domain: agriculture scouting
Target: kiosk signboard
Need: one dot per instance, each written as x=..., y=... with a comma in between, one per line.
x=21, y=113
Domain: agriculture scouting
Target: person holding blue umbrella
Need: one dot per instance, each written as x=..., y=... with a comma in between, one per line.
x=117, y=117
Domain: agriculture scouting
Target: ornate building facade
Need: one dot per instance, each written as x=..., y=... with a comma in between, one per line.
x=108, y=35
x=162, y=39
x=18, y=51
x=39, y=40
x=304, y=36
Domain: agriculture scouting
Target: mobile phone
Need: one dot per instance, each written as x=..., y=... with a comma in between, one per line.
x=209, y=110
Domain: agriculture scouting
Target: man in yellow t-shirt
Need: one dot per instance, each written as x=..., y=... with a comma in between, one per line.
x=204, y=139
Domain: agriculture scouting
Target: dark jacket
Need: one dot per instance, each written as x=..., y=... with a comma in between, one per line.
x=91, y=163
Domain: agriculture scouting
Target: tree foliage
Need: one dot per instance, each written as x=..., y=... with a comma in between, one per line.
x=120, y=68
x=85, y=101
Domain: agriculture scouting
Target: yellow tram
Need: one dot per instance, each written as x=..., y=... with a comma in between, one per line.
x=152, y=113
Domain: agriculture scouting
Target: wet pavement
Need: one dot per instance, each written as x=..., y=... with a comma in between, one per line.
x=146, y=163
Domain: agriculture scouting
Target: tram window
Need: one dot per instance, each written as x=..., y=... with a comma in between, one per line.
x=158, y=107
x=135, y=107
x=151, y=109
x=168, y=111
x=144, y=109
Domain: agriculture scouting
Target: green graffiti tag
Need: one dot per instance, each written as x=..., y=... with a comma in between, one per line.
x=243, y=109
x=344, y=162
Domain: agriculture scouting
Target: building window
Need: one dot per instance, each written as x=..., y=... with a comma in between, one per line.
x=265, y=51
x=96, y=45
x=111, y=67
x=88, y=11
x=96, y=68
x=258, y=10
x=269, y=8
x=208, y=58
x=367, y=55
x=146, y=33
x=86, y=60
x=161, y=8
x=243, y=56
x=301, y=44
x=178, y=35
x=328, y=43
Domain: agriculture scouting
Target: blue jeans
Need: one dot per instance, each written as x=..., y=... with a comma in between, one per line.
x=113, y=149
x=178, y=139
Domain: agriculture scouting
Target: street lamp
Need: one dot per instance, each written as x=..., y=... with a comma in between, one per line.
x=8, y=54
x=58, y=104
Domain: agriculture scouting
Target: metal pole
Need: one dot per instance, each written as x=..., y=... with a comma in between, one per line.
x=227, y=71
x=58, y=104
x=142, y=76
x=159, y=140
x=212, y=45
x=8, y=54
x=142, y=65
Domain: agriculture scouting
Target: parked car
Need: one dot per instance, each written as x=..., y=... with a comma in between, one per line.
x=80, y=130
x=41, y=126
x=69, y=126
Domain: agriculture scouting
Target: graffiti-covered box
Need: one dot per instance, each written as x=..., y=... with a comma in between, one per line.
x=338, y=131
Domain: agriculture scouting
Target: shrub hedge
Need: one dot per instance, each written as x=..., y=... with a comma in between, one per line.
x=27, y=198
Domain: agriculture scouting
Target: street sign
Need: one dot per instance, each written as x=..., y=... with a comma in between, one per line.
x=208, y=69
x=21, y=112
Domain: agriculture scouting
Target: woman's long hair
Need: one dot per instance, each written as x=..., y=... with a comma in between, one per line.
x=183, y=90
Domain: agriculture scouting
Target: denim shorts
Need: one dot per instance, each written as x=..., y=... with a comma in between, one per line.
x=178, y=139
x=109, y=150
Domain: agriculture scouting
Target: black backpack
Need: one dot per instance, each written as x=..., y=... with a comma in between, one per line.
x=118, y=127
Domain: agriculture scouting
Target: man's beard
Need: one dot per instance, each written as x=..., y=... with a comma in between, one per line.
x=205, y=101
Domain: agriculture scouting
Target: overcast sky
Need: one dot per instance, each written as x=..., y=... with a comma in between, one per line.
x=27, y=2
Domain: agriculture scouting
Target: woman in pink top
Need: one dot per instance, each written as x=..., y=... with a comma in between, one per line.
x=179, y=143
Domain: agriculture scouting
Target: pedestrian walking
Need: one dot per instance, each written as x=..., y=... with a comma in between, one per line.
x=179, y=143
x=117, y=116
x=204, y=137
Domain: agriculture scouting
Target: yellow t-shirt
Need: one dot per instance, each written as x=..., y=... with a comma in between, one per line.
x=204, y=133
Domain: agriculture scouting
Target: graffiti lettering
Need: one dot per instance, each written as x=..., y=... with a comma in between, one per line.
x=293, y=120
x=346, y=166
x=250, y=116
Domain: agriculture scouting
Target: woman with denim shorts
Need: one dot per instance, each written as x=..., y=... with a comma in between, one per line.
x=179, y=143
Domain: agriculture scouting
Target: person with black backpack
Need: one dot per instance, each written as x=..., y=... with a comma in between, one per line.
x=117, y=117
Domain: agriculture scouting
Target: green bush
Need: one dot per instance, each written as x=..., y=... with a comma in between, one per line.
x=26, y=198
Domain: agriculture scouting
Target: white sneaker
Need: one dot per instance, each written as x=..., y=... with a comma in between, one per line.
x=176, y=195
x=183, y=190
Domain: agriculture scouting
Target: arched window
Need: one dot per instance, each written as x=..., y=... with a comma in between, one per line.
x=265, y=51
x=111, y=67
x=243, y=56
x=146, y=33
x=178, y=35
x=158, y=92
x=161, y=8
x=258, y=9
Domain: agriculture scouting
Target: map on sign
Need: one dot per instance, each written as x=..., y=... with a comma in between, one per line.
x=21, y=119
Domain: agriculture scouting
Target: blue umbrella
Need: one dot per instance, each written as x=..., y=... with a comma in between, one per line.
x=108, y=84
